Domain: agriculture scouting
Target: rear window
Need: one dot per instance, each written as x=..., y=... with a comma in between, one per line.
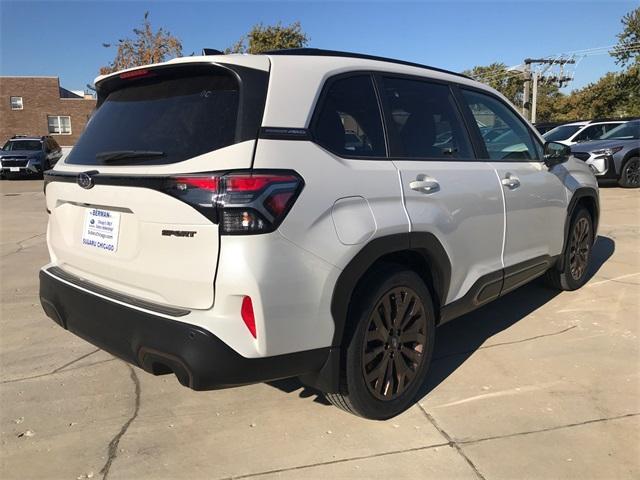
x=161, y=120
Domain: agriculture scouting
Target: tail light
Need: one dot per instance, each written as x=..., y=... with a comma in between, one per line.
x=242, y=203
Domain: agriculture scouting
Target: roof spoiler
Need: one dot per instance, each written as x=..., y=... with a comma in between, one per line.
x=211, y=51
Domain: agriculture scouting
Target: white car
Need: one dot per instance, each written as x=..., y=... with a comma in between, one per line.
x=577, y=132
x=217, y=221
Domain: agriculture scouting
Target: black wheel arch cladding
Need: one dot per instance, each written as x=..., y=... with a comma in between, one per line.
x=583, y=197
x=424, y=244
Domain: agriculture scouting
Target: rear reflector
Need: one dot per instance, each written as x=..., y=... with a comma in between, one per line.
x=247, y=315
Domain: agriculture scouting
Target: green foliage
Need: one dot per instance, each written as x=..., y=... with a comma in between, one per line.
x=627, y=50
x=511, y=85
x=262, y=38
x=497, y=76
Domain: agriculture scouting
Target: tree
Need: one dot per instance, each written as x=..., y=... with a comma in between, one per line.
x=497, y=76
x=627, y=51
x=262, y=38
x=147, y=46
x=511, y=85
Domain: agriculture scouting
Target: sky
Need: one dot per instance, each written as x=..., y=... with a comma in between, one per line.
x=64, y=38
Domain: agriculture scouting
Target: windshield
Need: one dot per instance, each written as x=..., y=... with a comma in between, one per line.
x=562, y=132
x=22, y=145
x=173, y=117
x=626, y=131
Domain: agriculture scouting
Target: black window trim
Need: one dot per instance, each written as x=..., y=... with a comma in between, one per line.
x=476, y=131
x=475, y=138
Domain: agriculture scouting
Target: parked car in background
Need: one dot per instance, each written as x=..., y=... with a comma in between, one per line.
x=584, y=131
x=544, y=127
x=616, y=155
x=25, y=155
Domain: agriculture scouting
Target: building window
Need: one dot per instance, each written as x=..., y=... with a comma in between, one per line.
x=60, y=125
x=16, y=103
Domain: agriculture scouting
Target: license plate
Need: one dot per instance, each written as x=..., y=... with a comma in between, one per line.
x=100, y=230
x=14, y=169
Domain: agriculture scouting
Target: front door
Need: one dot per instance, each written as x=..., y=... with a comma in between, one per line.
x=535, y=196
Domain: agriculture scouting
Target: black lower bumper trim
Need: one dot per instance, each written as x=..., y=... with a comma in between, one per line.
x=136, y=302
x=199, y=359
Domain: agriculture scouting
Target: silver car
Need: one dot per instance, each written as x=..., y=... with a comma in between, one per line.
x=615, y=156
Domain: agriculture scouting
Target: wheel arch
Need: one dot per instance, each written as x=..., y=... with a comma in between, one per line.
x=421, y=252
x=586, y=197
x=634, y=152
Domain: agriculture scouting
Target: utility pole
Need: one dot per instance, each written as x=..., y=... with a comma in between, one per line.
x=533, y=77
x=526, y=104
x=534, y=97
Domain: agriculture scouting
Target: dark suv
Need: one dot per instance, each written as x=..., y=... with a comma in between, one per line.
x=24, y=155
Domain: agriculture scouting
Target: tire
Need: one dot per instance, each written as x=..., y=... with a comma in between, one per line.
x=630, y=173
x=576, y=256
x=394, y=350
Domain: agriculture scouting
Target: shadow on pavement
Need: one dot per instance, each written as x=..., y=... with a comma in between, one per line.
x=457, y=340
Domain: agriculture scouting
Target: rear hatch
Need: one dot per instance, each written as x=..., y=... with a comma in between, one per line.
x=125, y=210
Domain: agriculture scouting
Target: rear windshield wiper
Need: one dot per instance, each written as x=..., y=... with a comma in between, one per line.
x=116, y=155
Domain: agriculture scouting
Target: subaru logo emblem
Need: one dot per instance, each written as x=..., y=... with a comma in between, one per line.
x=85, y=180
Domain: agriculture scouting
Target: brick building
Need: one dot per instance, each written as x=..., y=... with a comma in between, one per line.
x=39, y=106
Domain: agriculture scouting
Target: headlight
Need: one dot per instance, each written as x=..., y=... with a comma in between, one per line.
x=607, y=151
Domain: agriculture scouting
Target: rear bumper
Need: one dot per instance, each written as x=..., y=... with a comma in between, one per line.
x=159, y=345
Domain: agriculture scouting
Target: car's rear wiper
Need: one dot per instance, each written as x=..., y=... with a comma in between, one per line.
x=116, y=155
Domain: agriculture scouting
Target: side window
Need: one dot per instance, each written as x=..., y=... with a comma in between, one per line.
x=590, y=133
x=426, y=120
x=610, y=126
x=349, y=122
x=505, y=135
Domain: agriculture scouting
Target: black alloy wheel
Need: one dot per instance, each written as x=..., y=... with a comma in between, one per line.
x=395, y=343
x=630, y=176
x=391, y=334
x=579, y=248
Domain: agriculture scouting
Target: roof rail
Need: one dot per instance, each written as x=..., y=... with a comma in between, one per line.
x=613, y=119
x=317, y=52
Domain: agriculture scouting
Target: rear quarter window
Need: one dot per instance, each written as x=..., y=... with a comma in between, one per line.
x=348, y=122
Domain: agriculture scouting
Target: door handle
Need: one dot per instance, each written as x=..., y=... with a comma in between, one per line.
x=425, y=184
x=511, y=181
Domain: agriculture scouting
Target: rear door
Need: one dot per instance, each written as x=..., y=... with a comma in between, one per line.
x=126, y=213
x=447, y=191
x=535, y=196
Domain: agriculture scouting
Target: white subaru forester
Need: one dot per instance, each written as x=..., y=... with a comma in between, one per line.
x=235, y=219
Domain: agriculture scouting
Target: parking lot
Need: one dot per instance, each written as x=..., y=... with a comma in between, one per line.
x=536, y=385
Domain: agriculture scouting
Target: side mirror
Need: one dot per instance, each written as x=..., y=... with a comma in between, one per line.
x=556, y=153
